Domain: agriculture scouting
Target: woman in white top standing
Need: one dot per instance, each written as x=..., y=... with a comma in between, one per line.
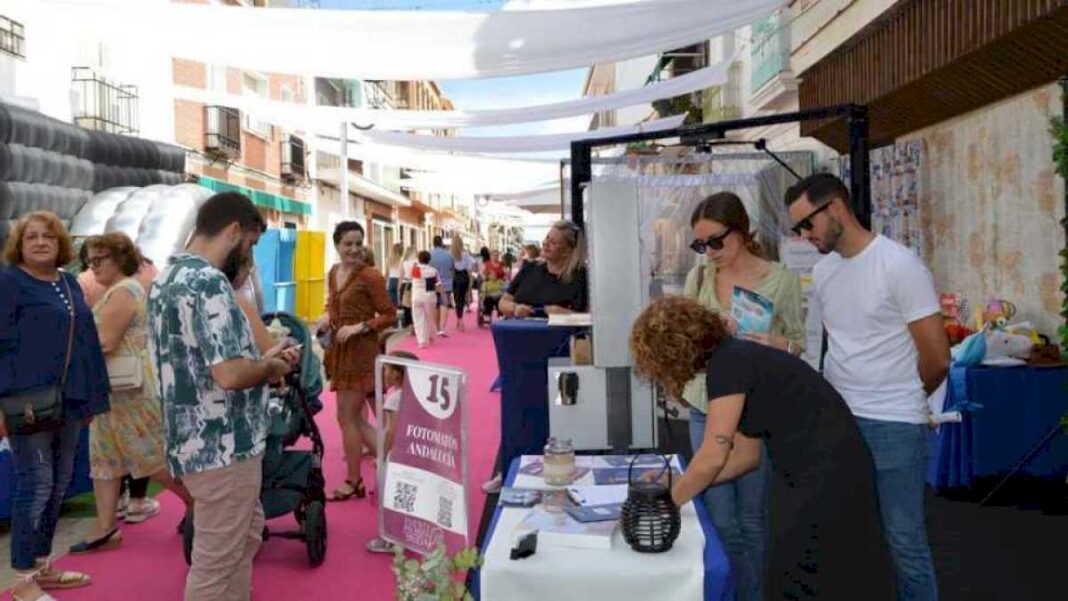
x=425, y=285
x=461, y=279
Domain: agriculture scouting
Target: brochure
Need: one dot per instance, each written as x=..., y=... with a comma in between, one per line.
x=618, y=475
x=519, y=497
x=751, y=311
x=595, y=513
x=557, y=528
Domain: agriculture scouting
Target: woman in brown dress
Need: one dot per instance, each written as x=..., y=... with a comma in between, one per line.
x=358, y=308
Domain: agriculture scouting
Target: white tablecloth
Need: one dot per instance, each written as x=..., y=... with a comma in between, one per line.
x=564, y=574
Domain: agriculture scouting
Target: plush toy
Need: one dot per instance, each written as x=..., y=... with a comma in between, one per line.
x=998, y=312
x=993, y=347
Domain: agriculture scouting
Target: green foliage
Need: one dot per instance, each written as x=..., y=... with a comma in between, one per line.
x=1059, y=131
x=435, y=577
x=669, y=107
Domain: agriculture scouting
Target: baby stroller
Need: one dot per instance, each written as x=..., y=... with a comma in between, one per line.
x=489, y=296
x=292, y=480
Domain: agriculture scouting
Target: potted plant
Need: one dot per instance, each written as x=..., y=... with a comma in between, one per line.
x=434, y=577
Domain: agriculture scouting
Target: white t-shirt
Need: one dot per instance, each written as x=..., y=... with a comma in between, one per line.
x=867, y=302
x=392, y=400
x=419, y=287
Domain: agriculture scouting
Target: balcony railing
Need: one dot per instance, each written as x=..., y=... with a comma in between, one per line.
x=222, y=131
x=770, y=54
x=12, y=38
x=102, y=105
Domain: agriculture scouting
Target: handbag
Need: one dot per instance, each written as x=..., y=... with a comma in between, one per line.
x=40, y=408
x=125, y=373
x=406, y=296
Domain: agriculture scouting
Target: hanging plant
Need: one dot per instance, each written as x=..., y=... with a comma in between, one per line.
x=1059, y=130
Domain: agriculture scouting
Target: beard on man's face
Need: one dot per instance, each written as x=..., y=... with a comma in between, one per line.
x=231, y=267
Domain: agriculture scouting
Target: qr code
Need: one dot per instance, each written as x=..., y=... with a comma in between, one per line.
x=404, y=496
x=445, y=512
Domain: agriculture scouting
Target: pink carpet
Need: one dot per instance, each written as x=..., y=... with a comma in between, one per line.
x=149, y=564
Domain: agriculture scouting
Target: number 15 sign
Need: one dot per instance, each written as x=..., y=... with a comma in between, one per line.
x=422, y=481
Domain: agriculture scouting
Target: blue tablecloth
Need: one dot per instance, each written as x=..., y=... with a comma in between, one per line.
x=79, y=483
x=1020, y=405
x=719, y=585
x=523, y=352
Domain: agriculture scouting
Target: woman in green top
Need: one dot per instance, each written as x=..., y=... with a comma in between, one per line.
x=733, y=259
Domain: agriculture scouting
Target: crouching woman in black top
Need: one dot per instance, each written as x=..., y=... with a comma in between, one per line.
x=826, y=539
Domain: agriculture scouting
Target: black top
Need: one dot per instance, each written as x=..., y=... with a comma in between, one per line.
x=535, y=286
x=804, y=422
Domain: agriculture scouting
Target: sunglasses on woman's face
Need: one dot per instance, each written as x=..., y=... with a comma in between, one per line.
x=712, y=242
x=806, y=223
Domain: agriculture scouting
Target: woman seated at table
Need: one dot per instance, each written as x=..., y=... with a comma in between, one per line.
x=556, y=283
x=826, y=539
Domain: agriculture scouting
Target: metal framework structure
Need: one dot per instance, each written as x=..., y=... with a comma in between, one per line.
x=103, y=105
x=856, y=121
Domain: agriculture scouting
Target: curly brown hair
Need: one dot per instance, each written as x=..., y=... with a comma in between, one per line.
x=671, y=338
x=13, y=245
x=123, y=251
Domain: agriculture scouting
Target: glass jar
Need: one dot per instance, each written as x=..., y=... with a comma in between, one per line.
x=559, y=462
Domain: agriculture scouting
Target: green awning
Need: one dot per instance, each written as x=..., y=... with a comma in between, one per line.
x=259, y=197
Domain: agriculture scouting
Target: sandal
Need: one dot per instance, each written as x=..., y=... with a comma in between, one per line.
x=24, y=580
x=380, y=545
x=349, y=490
x=111, y=540
x=48, y=579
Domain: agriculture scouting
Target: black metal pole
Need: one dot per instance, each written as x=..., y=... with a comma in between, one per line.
x=859, y=176
x=581, y=174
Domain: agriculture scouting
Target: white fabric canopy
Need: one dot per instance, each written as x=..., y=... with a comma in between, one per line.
x=402, y=45
x=535, y=171
x=504, y=144
x=325, y=118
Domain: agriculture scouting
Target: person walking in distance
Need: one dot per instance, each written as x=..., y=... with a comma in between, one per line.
x=887, y=350
x=442, y=261
x=213, y=390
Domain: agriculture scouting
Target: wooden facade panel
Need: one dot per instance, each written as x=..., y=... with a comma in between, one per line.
x=930, y=60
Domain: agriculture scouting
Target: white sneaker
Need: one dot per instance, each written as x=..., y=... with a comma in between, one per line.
x=493, y=486
x=137, y=513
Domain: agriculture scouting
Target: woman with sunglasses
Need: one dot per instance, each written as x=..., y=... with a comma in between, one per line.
x=732, y=258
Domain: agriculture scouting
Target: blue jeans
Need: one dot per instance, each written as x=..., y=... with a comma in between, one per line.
x=44, y=465
x=900, y=454
x=739, y=513
x=393, y=287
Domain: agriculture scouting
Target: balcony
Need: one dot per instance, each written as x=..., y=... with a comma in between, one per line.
x=222, y=131
x=12, y=38
x=680, y=61
x=103, y=105
x=292, y=159
x=772, y=84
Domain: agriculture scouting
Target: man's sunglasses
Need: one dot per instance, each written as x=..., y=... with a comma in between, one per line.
x=806, y=223
x=712, y=242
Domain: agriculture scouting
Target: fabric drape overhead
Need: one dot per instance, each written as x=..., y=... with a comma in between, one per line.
x=458, y=165
x=325, y=118
x=403, y=45
x=504, y=144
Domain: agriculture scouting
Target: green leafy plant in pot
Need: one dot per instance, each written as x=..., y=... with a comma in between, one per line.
x=434, y=577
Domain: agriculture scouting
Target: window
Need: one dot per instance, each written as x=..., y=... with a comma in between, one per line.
x=255, y=85
x=383, y=243
x=12, y=38
x=287, y=94
x=103, y=105
x=217, y=78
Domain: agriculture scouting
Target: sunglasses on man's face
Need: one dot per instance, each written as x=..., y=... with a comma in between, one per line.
x=712, y=242
x=806, y=223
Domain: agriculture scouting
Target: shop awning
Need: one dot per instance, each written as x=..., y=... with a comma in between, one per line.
x=259, y=197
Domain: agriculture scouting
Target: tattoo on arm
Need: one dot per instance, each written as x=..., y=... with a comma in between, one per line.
x=723, y=439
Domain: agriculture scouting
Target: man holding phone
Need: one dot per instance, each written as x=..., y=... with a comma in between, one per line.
x=212, y=382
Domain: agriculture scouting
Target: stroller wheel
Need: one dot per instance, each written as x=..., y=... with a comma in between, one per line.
x=187, y=538
x=315, y=532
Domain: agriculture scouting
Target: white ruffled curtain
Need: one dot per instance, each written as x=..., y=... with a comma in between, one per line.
x=403, y=45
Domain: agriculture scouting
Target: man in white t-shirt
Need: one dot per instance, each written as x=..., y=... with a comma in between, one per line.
x=887, y=351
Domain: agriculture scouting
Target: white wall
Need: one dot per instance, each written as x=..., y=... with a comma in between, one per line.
x=52, y=50
x=631, y=74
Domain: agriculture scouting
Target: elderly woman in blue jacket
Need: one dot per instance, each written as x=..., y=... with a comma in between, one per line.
x=39, y=303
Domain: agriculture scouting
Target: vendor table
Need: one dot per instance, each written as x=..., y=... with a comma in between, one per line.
x=524, y=348
x=695, y=568
x=79, y=483
x=1019, y=407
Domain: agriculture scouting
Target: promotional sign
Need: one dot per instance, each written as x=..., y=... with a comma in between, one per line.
x=423, y=478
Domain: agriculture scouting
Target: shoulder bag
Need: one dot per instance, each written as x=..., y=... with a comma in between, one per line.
x=41, y=408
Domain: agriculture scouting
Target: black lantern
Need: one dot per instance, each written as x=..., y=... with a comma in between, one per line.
x=650, y=518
